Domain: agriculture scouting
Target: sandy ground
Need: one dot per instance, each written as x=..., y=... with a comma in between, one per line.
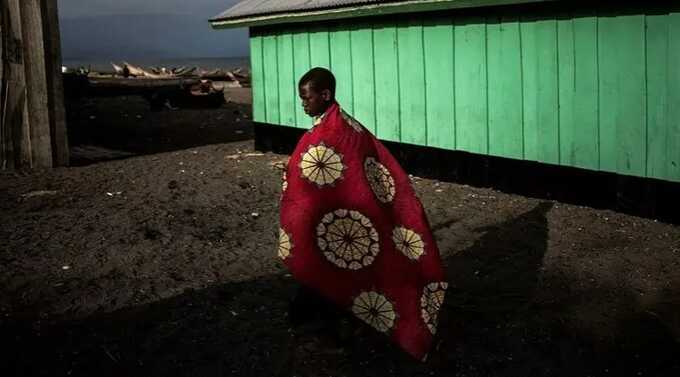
x=155, y=256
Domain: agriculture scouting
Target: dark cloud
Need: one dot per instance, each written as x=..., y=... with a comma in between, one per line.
x=124, y=29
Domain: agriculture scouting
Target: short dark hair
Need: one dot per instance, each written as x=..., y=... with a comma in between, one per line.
x=319, y=79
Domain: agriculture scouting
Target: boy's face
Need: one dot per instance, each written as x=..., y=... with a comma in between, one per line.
x=313, y=102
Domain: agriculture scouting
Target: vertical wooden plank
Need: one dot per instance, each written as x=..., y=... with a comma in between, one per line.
x=6, y=150
x=657, y=95
x=412, y=83
x=531, y=70
x=36, y=83
x=540, y=85
x=287, y=87
x=319, y=47
x=363, y=81
x=673, y=146
x=439, y=83
x=622, y=94
x=386, y=81
x=257, y=73
x=585, y=130
x=471, y=85
x=271, y=79
x=302, y=65
x=570, y=150
x=505, y=89
x=341, y=66
x=15, y=117
x=578, y=93
x=55, y=84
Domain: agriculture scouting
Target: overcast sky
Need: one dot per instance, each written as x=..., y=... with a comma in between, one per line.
x=85, y=8
x=119, y=29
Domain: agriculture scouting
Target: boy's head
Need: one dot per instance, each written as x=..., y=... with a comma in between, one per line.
x=317, y=91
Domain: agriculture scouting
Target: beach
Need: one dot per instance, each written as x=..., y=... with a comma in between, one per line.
x=155, y=255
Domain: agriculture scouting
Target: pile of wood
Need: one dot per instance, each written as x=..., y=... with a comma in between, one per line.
x=32, y=117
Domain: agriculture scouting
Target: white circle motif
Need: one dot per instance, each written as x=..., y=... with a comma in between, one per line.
x=431, y=302
x=347, y=239
x=285, y=244
x=408, y=242
x=375, y=309
x=321, y=165
x=380, y=180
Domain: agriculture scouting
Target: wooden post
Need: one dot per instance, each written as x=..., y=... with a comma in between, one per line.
x=3, y=135
x=55, y=83
x=36, y=83
x=14, y=118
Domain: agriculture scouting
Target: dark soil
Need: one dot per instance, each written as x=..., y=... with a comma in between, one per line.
x=162, y=262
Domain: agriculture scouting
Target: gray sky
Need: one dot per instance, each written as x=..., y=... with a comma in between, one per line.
x=85, y=8
x=122, y=29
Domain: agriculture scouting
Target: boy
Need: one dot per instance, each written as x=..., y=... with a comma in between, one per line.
x=352, y=228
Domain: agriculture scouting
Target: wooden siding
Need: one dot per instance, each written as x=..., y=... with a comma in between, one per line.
x=594, y=91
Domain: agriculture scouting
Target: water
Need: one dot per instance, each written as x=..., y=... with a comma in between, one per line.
x=204, y=63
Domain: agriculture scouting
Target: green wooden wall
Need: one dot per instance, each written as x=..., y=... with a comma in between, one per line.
x=600, y=92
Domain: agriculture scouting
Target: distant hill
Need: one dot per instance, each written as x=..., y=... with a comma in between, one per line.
x=119, y=37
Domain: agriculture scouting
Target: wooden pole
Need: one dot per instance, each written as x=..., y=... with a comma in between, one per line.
x=36, y=83
x=14, y=117
x=55, y=83
x=3, y=134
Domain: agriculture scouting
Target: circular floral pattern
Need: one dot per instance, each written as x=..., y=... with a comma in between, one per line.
x=284, y=182
x=408, y=242
x=431, y=302
x=380, y=180
x=285, y=244
x=375, y=309
x=352, y=122
x=347, y=239
x=321, y=165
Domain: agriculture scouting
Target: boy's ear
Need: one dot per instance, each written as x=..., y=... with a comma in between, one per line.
x=326, y=95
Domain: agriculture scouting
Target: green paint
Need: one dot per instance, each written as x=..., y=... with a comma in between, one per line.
x=341, y=65
x=412, y=83
x=505, y=89
x=471, y=84
x=657, y=95
x=578, y=92
x=386, y=81
x=673, y=146
x=439, y=83
x=540, y=85
x=302, y=64
x=363, y=75
x=271, y=79
x=590, y=91
x=320, y=52
x=622, y=94
x=287, y=87
x=257, y=79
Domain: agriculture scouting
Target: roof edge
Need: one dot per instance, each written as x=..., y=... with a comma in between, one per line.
x=364, y=10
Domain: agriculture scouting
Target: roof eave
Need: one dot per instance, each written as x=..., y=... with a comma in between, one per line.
x=358, y=11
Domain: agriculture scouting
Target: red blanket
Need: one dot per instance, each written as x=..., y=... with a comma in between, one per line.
x=353, y=229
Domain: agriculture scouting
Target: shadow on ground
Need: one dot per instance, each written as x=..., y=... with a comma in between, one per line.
x=492, y=324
